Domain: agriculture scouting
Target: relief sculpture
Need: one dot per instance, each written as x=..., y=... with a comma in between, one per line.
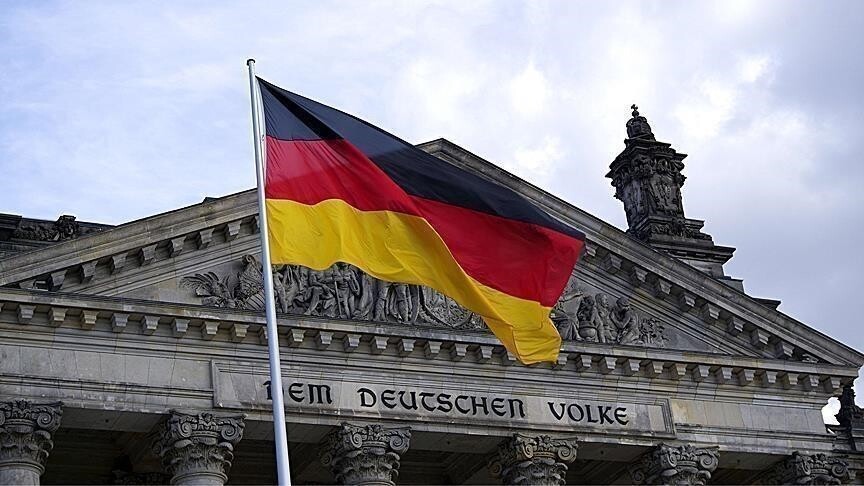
x=345, y=292
x=595, y=318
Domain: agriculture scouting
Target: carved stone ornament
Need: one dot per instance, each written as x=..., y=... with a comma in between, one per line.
x=25, y=437
x=800, y=468
x=365, y=454
x=65, y=228
x=637, y=126
x=540, y=460
x=197, y=448
x=676, y=465
x=598, y=317
x=850, y=422
x=345, y=292
x=648, y=180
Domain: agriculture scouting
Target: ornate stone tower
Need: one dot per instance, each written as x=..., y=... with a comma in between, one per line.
x=647, y=179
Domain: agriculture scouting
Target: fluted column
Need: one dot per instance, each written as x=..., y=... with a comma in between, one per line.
x=365, y=454
x=536, y=460
x=676, y=465
x=801, y=468
x=25, y=439
x=197, y=448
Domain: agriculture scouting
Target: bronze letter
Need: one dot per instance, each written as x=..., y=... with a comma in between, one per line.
x=588, y=410
x=557, y=415
x=572, y=415
x=388, y=398
x=460, y=409
x=621, y=415
x=516, y=401
x=318, y=393
x=423, y=397
x=296, y=395
x=413, y=405
x=498, y=406
x=444, y=403
x=604, y=414
x=365, y=392
x=476, y=405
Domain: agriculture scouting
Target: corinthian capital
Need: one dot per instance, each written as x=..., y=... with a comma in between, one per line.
x=678, y=465
x=800, y=468
x=25, y=433
x=197, y=448
x=540, y=460
x=365, y=454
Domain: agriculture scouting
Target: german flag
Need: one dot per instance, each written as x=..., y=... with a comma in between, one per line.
x=341, y=190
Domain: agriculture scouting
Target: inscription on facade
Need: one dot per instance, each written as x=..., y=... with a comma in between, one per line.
x=442, y=403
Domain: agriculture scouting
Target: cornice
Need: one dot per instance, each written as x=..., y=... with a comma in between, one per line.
x=44, y=312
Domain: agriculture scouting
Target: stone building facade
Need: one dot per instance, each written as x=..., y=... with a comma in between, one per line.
x=136, y=354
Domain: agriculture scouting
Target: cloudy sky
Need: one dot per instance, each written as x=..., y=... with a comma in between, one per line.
x=113, y=111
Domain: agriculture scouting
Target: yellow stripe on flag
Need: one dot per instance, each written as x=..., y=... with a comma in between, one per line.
x=397, y=247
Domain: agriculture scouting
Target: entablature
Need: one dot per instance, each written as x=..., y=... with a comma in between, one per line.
x=39, y=313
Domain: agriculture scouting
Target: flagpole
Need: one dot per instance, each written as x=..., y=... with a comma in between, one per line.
x=279, y=431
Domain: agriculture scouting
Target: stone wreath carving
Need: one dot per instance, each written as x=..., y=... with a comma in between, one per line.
x=345, y=292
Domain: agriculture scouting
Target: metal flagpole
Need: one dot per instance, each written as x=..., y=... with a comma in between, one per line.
x=279, y=431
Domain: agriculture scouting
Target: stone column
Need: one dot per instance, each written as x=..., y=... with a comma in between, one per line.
x=801, y=468
x=365, y=454
x=676, y=465
x=197, y=448
x=25, y=439
x=537, y=460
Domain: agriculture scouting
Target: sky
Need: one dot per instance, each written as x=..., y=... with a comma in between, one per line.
x=115, y=111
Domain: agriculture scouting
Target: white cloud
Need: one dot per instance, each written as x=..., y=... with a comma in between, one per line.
x=753, y=68
x=529, y=91
x=539, y=159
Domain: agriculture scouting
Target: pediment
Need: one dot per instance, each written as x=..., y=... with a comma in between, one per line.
x=623, y=292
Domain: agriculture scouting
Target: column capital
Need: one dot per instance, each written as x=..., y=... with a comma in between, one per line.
x=198, y=447
x=25, y=433
x=678, y=465
x=801, y=468
x=365, y=454
x=527, y=459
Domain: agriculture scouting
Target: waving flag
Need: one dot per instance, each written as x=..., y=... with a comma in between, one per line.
x=340, y=189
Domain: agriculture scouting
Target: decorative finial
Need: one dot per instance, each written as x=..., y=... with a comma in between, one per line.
x=637, y=127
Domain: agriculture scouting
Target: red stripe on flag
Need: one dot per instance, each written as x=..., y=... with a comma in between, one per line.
x=531, y=262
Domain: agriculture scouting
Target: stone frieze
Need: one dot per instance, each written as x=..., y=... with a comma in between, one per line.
x=344, y=291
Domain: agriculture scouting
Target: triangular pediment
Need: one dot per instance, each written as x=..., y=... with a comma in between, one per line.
x=624, y=293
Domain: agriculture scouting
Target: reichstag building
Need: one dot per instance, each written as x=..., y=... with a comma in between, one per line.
x=136, y=354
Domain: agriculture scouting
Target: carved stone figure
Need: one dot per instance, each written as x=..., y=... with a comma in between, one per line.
x=626, y=321
x=367, y=455
x=676, y=465
x=800, y=468
x=65, y=228
x=535, y=460
x=197, y=448
x=564, y=314
x=25, y=439
x=397, y=302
